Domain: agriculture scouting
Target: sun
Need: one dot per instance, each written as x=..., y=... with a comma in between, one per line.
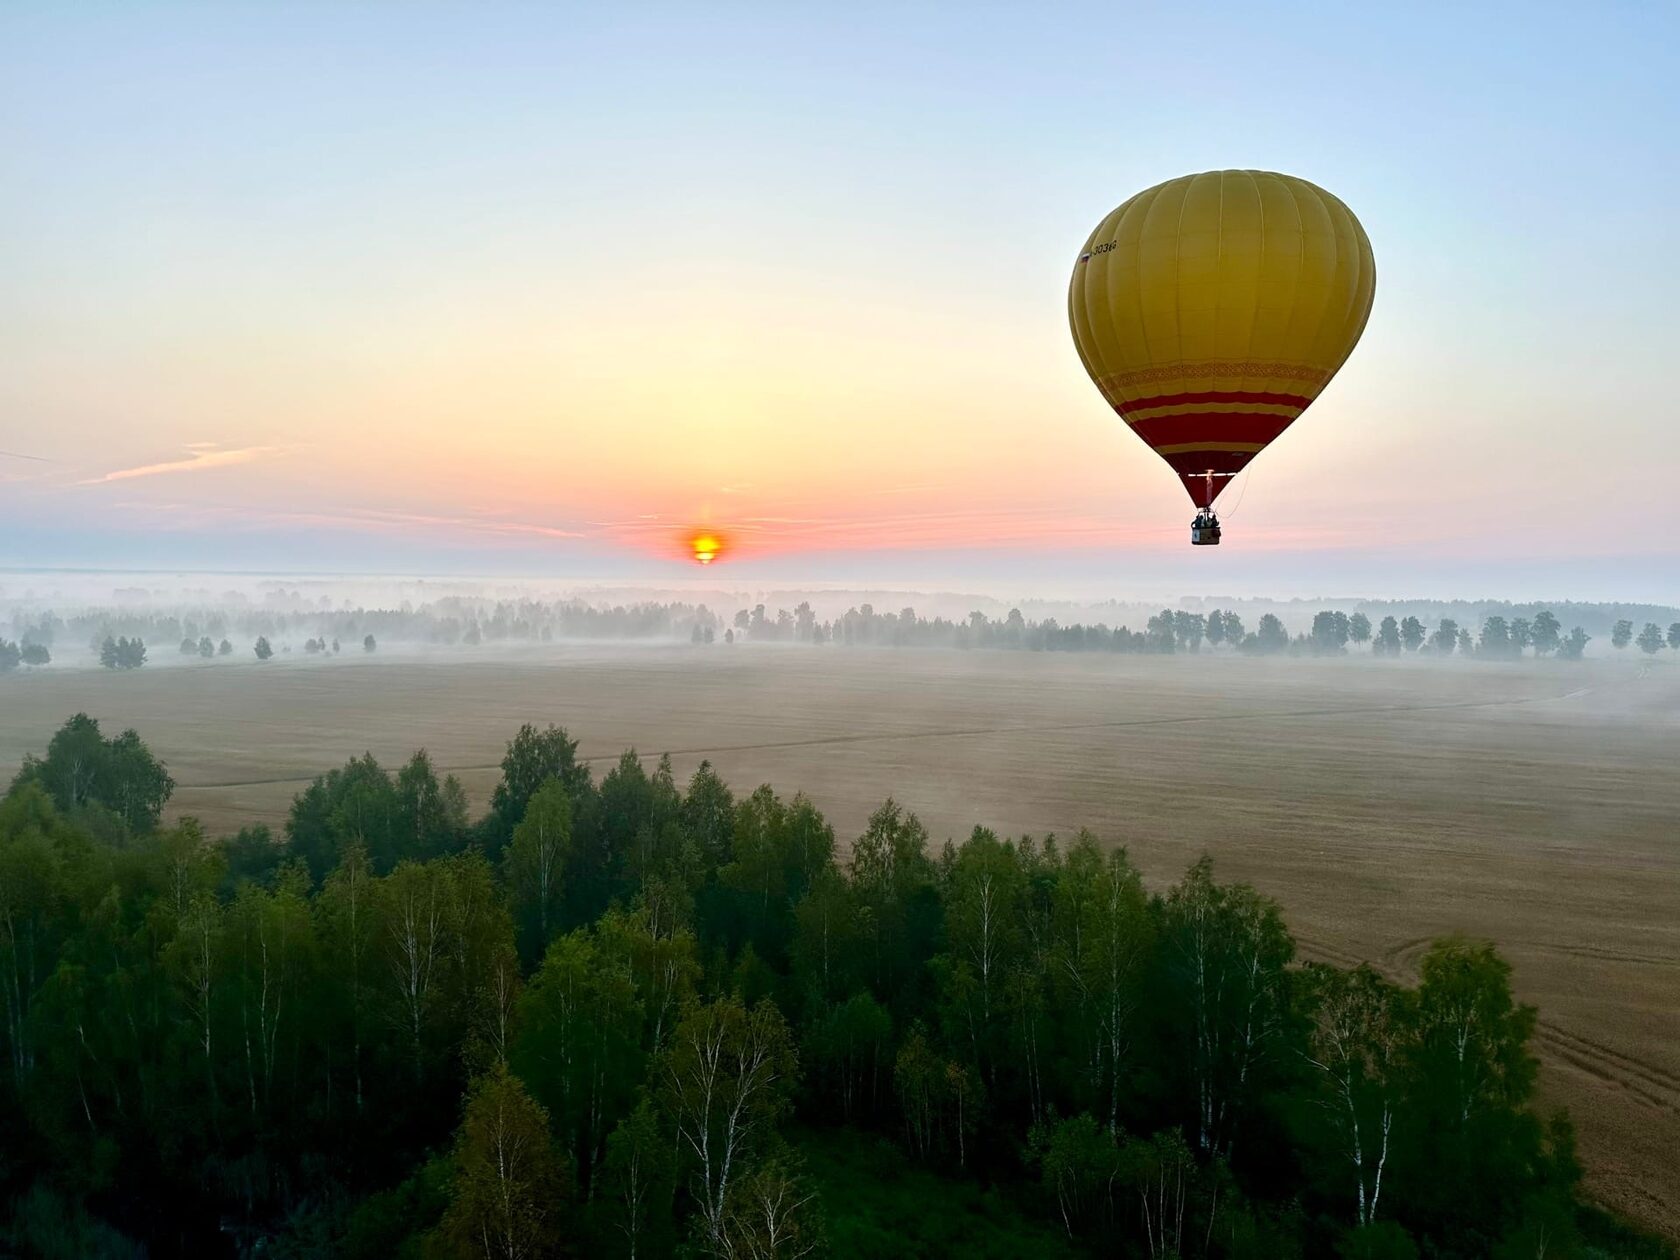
x=706, y=547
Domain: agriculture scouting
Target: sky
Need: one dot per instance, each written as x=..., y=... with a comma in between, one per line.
x=545, y=289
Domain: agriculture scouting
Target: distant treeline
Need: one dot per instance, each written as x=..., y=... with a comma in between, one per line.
x=1332, y=633
x=446, y=621
x=629, y=1016
x=118, y=641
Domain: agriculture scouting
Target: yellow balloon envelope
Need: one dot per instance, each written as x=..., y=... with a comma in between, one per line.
x=1211, y=310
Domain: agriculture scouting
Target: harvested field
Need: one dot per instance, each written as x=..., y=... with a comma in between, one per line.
x=1382, y=803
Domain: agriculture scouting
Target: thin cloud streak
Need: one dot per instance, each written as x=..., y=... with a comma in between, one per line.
x=188, y=516
x=201, y=457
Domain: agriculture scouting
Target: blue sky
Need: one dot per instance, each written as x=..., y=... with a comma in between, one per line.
x=535, y=289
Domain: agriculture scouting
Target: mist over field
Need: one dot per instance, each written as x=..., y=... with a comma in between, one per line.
x=73, y=612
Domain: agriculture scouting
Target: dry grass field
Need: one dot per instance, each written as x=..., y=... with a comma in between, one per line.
x=1382, y=803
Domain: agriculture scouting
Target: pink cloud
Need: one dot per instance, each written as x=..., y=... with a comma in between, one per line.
x=201, y=455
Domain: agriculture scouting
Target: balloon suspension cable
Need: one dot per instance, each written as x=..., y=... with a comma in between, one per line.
x=1247, y=475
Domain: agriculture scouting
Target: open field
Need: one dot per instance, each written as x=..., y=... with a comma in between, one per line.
x=1382, y=803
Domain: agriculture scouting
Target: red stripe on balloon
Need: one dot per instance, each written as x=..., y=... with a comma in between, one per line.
x=1214, y=396
x=1193, y=468
x=1195, y=463
x=1211, y=426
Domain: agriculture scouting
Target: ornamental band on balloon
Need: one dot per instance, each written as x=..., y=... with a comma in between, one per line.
x=1212, y=309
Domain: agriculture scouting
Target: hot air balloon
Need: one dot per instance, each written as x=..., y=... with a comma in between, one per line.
x=1212, y=309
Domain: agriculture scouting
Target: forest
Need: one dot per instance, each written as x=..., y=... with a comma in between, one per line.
x=640, y=1017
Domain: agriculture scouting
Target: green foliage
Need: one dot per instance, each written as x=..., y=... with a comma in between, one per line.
x=1226, y=951
x=1496, y=639
x=726, y=1079
x=1575, y=646
x=777, y=851
x=639, y=1182
x=772, y=1211
x=880, y=1205
x=357, y=803
x=898, y=903
x=83, y=769
x=264, y=1046
x=1080, y=1165
x=849, y=1049
x=533, y=758
x=505, y=1198
x=831, y=942
x=46, y=1226
x=1468, y=1151
x=536, y=865
x=1331, y=631
x=1268, y=638
x=122, y=653
x=579, y=1044
x=431, y=817
x=1363, y=1030
x=1382, y=1240
x=708, y=815
x=396, y=1223
x=1105, y=936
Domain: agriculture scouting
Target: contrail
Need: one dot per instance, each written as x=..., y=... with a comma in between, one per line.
x=39, y=459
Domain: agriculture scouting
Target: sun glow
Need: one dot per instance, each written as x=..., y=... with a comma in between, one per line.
x=706, y=547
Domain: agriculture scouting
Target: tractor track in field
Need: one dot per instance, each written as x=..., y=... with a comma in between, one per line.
x=1649, y=1084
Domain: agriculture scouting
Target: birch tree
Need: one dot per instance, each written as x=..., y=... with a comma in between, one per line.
x=727, y=1078
x=1229, y=951
x=1474, y=1034
x=1105, y=939
x=508, y=1181
x=196, y=956
x=269, y=944
x=772, y=1216
x=1357, y=1046
x=579, y=1045
x=536, y=861
x=415, y=911
x=29, y=897
x=661, y=954
x=1161, y=1171
x=349, y=921
x=641, y=1177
